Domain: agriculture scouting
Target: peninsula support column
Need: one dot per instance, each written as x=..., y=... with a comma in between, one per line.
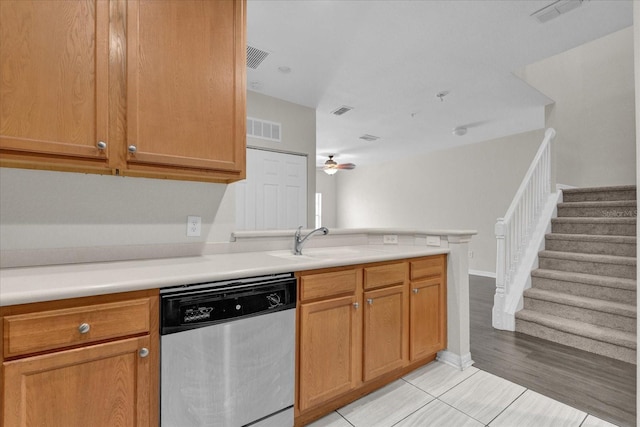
x=458, y=351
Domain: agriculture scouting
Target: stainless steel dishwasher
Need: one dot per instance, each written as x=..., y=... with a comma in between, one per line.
x=227, y=353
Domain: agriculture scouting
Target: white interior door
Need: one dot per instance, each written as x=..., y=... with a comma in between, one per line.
x=274, y=194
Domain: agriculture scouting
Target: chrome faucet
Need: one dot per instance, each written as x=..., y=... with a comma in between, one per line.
x=298, y=240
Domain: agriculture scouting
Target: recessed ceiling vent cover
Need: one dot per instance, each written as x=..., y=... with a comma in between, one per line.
x=369, y=138
x=340, y=111
x=255, y=56
x=556, y=9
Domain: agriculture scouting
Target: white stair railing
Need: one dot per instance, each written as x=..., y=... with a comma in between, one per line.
x=515, y=230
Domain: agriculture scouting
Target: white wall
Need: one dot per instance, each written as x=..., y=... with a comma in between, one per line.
x=594, y=111
x=43, y=209
x=326, y=184
x=467, y=187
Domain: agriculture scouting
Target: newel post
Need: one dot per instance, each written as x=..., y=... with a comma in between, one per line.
x=499, y=297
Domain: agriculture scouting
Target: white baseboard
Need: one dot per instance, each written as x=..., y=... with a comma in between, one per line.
x=455, y=360
x=482, y=273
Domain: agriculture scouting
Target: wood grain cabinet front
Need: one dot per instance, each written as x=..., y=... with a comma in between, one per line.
x=139, y=88
x=59, y=370
x=362, y=327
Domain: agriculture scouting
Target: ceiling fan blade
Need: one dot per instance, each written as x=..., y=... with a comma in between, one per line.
x=347, y=166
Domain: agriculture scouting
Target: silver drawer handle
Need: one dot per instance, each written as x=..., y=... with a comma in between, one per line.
x=370, y=301
x=84, y=328
x=416, y=290
x=356, y=305
x=101, y=145
x=144, y=352
x=132, y=149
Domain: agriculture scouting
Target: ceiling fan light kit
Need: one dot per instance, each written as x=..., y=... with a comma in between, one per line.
x=331, y=166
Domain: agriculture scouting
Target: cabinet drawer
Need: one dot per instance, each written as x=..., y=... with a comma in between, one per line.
x=428, y=267
x=327, y=284
x=384, y=275
x=47, y=330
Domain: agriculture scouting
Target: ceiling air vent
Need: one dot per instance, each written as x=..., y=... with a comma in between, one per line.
x=369, y=138
x=556, y=9
x=264, y=129
x=340, y=111
x=255, y=56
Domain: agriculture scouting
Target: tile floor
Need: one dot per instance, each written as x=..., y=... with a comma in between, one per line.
x=438, y=395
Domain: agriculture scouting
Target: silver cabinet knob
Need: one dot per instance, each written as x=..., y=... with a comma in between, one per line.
x=356, y=305
x=416, y=290
x=369, y=301
x=144, y=352
x=101, y=145
x=84, y=328
x=132, y=149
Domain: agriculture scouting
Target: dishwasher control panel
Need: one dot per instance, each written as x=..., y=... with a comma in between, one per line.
x=184, y=308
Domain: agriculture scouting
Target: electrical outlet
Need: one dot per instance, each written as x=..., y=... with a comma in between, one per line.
x=470, y=254
x=433, y=240
x=194, y=226
x=390, y=239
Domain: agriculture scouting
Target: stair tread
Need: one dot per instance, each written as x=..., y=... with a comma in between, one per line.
x=592, y=238
x=594, y=219
x=586, y=257
x=597, y=203
x=595, y=304
x=587, y=330
x=602, y=189
x=590, y=279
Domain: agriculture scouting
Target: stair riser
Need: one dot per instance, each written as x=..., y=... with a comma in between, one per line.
x=601, y=269
x=585, y=247
x=594, y=228
x=585, y=290
x=608, y=320
x=598, y=212
x=602, y=196
x=605, y=349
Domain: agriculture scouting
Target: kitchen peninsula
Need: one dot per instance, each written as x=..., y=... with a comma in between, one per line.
x=129, y=289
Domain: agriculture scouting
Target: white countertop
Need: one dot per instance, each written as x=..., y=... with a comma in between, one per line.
x=34, y=284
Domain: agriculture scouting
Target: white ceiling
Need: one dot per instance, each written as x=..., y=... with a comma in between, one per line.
x=389, y=58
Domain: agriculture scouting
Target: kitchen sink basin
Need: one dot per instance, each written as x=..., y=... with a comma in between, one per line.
x=328, y=253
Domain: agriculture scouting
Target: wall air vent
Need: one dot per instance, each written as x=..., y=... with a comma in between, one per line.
x=556, y=9
x=255, y=56
x=263, y=129
x=369, y=138
x=340, y=111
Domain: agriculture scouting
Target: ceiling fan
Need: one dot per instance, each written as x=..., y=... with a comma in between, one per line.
x=331, y=166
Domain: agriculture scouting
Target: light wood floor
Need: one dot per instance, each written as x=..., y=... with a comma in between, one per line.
x=595, y=384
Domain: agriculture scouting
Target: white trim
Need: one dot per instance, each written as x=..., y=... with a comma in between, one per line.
x=461, y=362
x=482, y=273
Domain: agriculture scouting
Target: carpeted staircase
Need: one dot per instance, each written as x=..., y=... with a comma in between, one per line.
x=584, y=292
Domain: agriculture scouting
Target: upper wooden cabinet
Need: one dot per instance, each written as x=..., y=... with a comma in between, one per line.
x=142, y=88
x=54, y=60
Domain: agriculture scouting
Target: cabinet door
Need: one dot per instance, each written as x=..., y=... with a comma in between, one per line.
x=186, y=87
x=329, y=350
x=428, y=318
x=105, y=385
x=54, y=83
x=386, y=331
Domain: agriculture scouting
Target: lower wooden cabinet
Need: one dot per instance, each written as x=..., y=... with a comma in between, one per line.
x=363, y=326
x=330, y=346
x=81, y=378
x=386, y=331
